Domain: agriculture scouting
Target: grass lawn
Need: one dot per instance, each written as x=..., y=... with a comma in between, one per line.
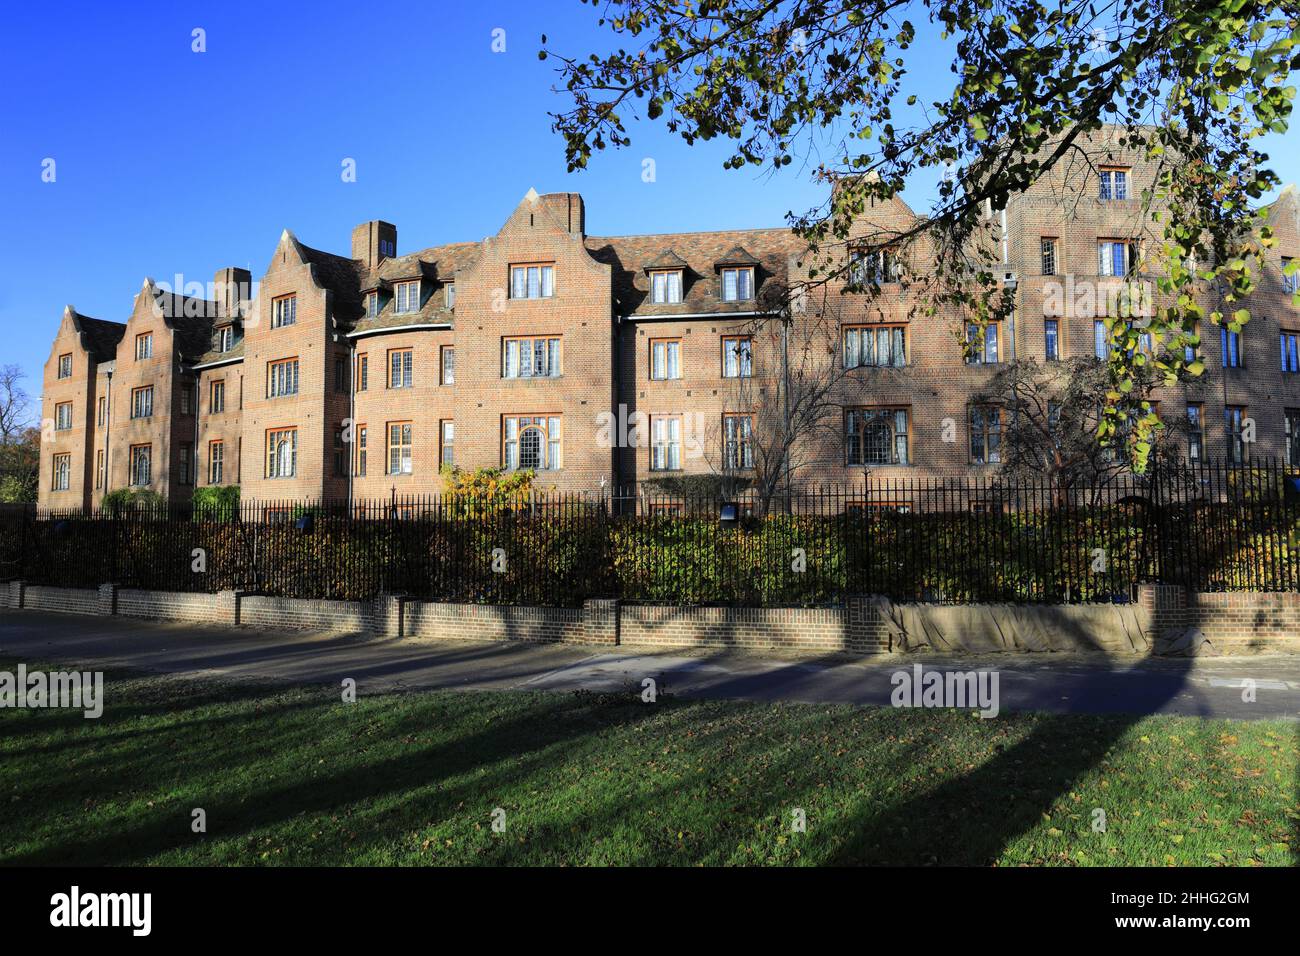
x=296, y=776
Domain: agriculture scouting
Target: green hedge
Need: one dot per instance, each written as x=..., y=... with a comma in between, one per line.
x=564, y=558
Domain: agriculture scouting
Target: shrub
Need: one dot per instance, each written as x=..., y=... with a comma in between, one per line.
x=126, y=499
x=220, y=503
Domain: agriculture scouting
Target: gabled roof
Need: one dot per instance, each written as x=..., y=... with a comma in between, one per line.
x=667, y=260
x=736, y=256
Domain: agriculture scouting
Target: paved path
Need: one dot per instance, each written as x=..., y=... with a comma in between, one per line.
x=1210, y=687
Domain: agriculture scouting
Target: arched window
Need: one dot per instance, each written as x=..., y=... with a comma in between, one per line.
x=530, y=448
x=876, y=436
x=531, y=442
x=877, y=440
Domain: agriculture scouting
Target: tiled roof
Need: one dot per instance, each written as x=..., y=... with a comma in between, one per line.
x=342, y=277
x=667, y=260
x=769, y=249
x=236, y=352
x=436, y=265
x=101, y=336
x=736, y=256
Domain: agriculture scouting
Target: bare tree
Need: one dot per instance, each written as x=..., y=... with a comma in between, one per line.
x=791, y=396
x=20, y=440
x=1049, y=419
x=15, y=403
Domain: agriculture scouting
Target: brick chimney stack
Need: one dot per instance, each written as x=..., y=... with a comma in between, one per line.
x=373, y=242
x=231, y=287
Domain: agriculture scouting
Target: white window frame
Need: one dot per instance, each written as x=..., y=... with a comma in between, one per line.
x=1113, y=183
x=62, y=472
x=896, y=418
x=666, y=443
x=141, y=456
x=988, y=350
x=447, y=441
x=401, y=362
x=550, y=355
x=737, y=362
x=142, y=402
x=282, y=378
x=401, y=453
x=406, y=297
x=216, y=461
x=665, y=360
x=736, y=283
x=532, y=280
x=867, y=346
x=281, y=453
x=513, y=429
x=284, y=311
x=665, y=286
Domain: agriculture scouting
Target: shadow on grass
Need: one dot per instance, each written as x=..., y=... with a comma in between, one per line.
x=516, y=746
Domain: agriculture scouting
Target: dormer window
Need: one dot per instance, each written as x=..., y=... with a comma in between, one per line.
x=450, y=293
x=225, y=339
x=737, y=284
x=407, y=297
x=666, y=286
x=372, y=304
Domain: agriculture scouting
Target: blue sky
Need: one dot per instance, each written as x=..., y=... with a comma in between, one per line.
x=170, y=161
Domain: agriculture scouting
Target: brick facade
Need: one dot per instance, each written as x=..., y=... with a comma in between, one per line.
x=602, y=386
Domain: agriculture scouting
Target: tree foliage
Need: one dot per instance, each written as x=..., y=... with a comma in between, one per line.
x=1191, y=84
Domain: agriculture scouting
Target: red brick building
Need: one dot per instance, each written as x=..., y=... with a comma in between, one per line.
x=609, y=360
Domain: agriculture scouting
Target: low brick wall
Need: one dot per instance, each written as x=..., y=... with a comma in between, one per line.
x=178, y=606
x=818, y=630
x=1165, y=620
x=68, y=600
x=295, y=613
x=1229, y=622
x=491, y=622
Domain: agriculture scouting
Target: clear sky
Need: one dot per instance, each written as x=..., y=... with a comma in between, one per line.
x=173, y=162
